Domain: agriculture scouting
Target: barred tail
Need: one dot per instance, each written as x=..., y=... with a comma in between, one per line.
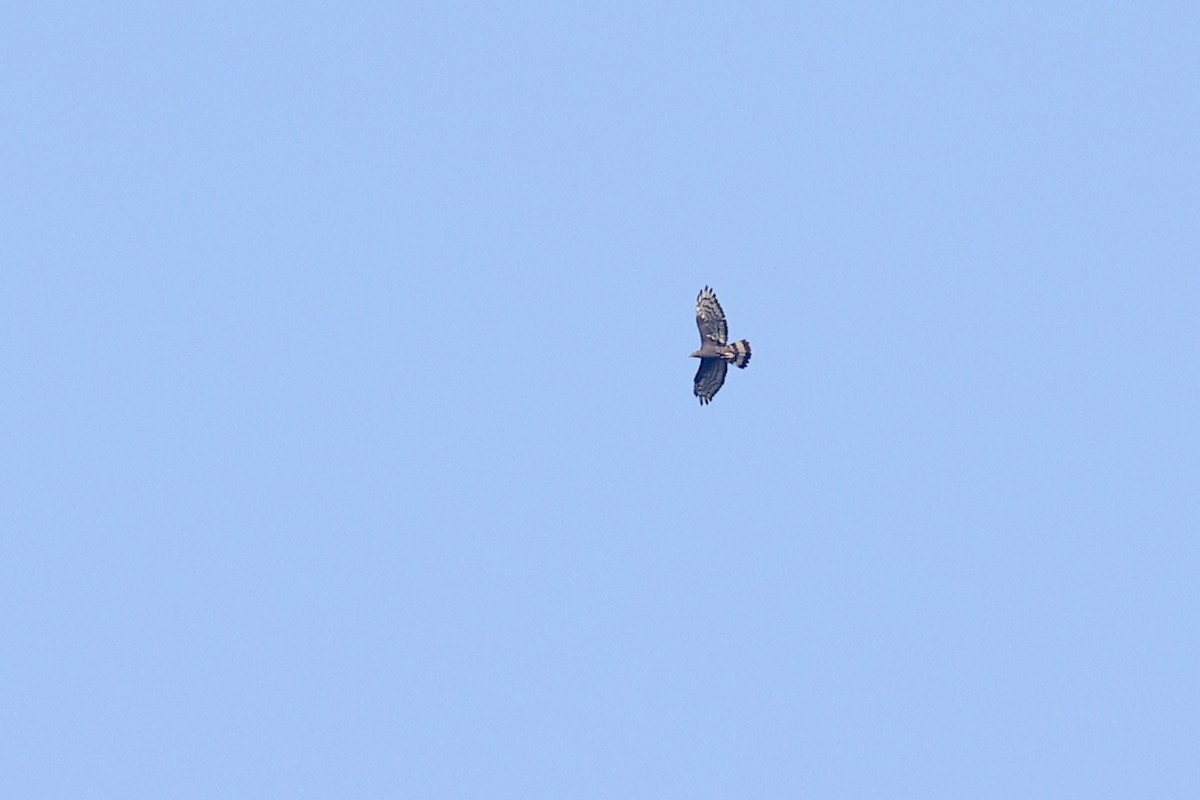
x=741, y=354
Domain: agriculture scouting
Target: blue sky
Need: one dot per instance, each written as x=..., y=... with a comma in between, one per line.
x=350, y=441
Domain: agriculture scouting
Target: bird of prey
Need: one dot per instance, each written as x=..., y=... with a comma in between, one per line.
x=715, y=353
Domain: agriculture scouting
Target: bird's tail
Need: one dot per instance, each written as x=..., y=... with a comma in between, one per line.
x=741, y=354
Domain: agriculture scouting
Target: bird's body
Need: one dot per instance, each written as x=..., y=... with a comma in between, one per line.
x=715, y=353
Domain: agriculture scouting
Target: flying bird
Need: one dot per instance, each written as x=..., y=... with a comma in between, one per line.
x=715, y=353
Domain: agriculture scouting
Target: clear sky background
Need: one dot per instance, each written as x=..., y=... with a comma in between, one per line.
x=349, y=445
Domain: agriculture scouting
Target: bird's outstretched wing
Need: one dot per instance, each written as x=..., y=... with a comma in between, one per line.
x=709, y=378
x=710, y=319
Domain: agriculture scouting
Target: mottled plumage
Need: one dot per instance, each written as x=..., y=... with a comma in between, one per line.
x=715, y=353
